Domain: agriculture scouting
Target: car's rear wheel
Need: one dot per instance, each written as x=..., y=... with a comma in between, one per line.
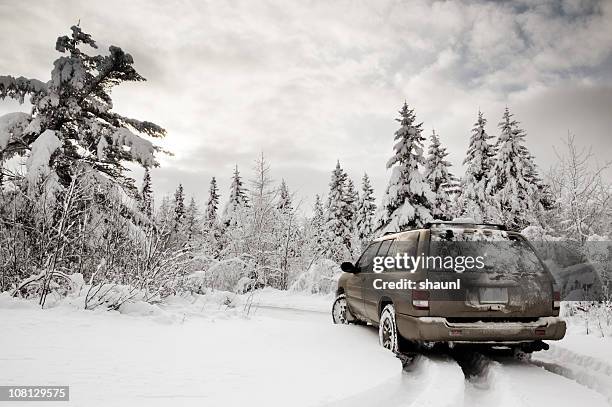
x=341, y=314
x=387, y=329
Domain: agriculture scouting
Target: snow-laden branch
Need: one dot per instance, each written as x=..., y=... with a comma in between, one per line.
x=18, y=88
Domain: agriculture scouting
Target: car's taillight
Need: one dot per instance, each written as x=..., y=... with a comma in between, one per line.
x=420, y=299
x=556, y=300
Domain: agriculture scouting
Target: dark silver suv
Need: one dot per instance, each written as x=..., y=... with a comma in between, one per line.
x=506, y=299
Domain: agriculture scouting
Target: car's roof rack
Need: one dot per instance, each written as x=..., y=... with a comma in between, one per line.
x=441, y=224
x=496, y=226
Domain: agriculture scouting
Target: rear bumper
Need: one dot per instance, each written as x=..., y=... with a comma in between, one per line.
x=437, y=329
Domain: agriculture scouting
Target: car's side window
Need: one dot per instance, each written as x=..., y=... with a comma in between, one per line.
x=364, y=264
x=384, y=248
x=401, y=247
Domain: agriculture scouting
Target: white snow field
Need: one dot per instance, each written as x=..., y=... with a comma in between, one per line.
x=278, y=356
x=109, y=359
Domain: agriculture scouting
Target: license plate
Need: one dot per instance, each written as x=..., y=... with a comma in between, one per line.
x=494, y=295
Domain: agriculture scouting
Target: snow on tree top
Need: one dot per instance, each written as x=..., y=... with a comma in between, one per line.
x=12, y=126
x=37, y=163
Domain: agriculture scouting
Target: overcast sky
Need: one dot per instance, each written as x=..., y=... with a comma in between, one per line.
x=311, y=82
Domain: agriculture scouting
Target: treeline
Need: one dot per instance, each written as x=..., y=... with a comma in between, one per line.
x=501, y=184
x=74, y=219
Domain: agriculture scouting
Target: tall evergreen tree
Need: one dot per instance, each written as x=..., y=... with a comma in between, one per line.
x=473, y=199
x=237, y=197
x=365, y=210
x=192, y=220
x=510, y=188
x=179, y=207
x=238, y=193
x=284, y=199
x=212, y=204
x=338, y=226
x=439, y=178
x=408, y=199
x=146, y=194
x=542, y=199
x=351, y=200
x=318, y=226
x=543, y=196
x=71, y=121
x=287, y=233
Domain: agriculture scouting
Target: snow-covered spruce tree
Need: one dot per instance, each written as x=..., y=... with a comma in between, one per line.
x=212, y=229
x=473, y=201
x=233, y=220
x=237, y=198
x=192, y=221
x=179, y=207
x=288, y=234
x=408, y=198
x=318, y=230
x=212, y=204
x=72, y=119
x=439, y=178
x=284, y=198
x=351, y=199
x=338, y=226
x=313, y=237
x=543, y=200
x=509, y=188
x=365, y=210
x=146, y=194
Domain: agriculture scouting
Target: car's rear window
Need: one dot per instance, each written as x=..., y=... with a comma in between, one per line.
x=493, y=251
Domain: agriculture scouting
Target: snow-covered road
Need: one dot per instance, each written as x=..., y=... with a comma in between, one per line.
x=276, y=357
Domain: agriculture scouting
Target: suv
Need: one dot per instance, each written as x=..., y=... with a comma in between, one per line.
x=507, y=298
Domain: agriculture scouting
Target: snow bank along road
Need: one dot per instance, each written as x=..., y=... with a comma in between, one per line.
x=277, y=357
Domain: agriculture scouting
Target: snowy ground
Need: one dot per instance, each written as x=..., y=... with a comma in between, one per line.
x=269, y=359
x=277, y=356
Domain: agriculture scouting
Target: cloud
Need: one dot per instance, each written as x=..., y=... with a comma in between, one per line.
x=312, y=82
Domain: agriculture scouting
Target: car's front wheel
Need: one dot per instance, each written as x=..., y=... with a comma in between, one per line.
x=387, y=329
x=341, y=314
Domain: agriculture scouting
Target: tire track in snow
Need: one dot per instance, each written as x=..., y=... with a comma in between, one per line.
x=510, y=382
x=485, y=383
x=429, y=381
x=586, y=370
x=506, y=381
x=441, y=383
x=475, y=381
x=490, y=388
x=436, y=381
